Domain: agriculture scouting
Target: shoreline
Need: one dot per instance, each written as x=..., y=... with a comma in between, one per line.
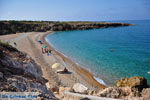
x=101, y=81
x=85, y=74
x=27, y=42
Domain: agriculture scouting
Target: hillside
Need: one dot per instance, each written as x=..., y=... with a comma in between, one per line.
x=12, y=27
x=19, y=73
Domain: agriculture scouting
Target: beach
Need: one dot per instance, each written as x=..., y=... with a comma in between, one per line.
x=27, y=42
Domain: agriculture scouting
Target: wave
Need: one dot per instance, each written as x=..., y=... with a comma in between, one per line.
x=100, y=81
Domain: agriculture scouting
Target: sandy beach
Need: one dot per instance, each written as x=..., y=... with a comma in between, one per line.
x=27, y=42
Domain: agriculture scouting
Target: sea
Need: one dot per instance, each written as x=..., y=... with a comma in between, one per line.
x=109, y=53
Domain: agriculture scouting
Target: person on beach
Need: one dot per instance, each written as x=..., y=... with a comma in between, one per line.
x=65, y=70
x=42, y=50
x=15, y=43
x=48, y=52
x=41, y=42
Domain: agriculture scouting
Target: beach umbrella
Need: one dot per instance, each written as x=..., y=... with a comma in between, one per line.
x=44, y=46
x=55, y=65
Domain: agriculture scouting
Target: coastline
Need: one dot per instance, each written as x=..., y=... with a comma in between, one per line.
x=58, y=83
x=101, y=81
x=86, y=75
x=27, y=42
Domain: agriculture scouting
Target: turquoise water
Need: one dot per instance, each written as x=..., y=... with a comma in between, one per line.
x=92, y=50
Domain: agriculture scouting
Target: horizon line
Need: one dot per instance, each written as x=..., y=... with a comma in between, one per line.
x=70, y=20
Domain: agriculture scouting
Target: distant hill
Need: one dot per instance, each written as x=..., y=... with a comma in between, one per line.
x=12, y=27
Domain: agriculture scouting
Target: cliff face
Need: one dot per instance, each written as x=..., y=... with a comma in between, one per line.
x=19, y=73
x=9, y=27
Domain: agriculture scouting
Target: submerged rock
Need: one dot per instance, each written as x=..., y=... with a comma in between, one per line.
x=80, y=88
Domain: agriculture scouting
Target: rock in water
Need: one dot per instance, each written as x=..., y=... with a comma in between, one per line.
x=80, y=88
x=133, y=82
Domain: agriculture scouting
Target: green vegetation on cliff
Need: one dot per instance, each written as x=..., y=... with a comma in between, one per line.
x=12, y=27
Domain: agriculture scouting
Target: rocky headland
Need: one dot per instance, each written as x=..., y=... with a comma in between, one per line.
x=12, y=27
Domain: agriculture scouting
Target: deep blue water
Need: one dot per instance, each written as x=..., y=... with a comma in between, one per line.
x=130, y=54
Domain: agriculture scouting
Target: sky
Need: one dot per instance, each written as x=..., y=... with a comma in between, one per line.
x=74, y=10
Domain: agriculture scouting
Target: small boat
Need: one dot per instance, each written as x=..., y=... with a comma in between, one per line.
x=148, y=72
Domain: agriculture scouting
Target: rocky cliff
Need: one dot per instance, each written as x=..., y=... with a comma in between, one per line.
x=9, y=27
x=19, y=73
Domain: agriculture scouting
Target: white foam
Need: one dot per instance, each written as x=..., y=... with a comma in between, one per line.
x=100, y=81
